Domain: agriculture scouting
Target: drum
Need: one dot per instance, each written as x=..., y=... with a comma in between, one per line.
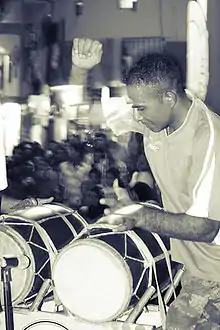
x=38, y=232
x=107, y=272
x=26, y=320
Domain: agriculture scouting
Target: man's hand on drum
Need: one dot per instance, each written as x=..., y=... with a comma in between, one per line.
x=122, y=212
x=86, y=53
x=119, y=222
x=112, y=214
x=121, y=199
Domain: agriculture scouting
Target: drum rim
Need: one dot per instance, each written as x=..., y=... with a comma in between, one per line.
x=18, y=214
x=98, y=243
x=20, y=241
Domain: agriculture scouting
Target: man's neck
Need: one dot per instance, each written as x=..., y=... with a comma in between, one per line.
x=180, y=113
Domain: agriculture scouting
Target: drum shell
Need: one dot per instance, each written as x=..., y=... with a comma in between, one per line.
x=134, y=247
x=116, y=240
x=40, y=233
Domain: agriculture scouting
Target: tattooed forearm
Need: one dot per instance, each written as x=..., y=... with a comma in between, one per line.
x=78, y=76
x=180, y=226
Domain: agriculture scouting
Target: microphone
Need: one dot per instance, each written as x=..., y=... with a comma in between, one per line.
x=20, y=262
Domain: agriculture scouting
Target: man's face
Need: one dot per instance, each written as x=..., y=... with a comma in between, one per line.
x=151, y=108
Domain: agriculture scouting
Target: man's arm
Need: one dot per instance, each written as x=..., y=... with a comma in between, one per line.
x=180, y=226
x=78, y=76
x=86, y=54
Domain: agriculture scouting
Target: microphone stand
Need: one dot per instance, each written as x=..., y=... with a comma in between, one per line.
x=6, y=278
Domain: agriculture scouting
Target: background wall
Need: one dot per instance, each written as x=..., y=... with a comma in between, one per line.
x=167, y=18
x=103, y=19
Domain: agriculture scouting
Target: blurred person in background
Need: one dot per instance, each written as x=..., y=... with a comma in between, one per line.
x=117, y=159
x=74, y=170
x=91, y=209
x=142, y=173
x=112, y=174
x=39, y=108
x=95, y=176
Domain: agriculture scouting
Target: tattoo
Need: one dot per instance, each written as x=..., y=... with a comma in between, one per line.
x=180, y=226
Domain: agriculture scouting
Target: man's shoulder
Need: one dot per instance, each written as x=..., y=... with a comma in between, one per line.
x=207, y=120
x=206, y=110
x=212, y=123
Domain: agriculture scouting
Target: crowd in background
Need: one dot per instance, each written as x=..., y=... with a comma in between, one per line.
x=80, y=171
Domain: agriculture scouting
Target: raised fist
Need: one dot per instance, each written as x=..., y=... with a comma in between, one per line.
x=86, y=53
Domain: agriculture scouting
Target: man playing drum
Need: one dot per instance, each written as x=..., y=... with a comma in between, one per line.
x=181, y=144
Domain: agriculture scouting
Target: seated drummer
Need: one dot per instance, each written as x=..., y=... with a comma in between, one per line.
x=181, y=144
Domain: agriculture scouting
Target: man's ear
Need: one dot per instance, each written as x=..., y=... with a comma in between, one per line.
x=170, y=98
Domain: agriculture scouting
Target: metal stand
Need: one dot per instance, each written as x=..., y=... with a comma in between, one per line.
x=6, y=279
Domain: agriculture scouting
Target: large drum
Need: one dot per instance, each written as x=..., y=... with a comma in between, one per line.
x=38, y=232
x=26, y=320
x=105, y=272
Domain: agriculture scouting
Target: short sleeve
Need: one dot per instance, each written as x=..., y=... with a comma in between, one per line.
x=200, y=181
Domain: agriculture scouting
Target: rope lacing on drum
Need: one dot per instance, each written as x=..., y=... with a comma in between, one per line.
x=151, y=265
x=39, y=270
x=167, y=258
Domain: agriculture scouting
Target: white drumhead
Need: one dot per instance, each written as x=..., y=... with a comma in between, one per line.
x=92, y=280
x=13, y=245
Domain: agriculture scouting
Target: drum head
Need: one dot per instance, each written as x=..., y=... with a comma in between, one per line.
x=92, y=280
x=14, y=245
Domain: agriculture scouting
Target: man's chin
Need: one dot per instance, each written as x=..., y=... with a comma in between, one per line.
x=154, y=129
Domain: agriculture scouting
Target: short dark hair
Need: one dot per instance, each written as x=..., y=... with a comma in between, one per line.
x=157, y=70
